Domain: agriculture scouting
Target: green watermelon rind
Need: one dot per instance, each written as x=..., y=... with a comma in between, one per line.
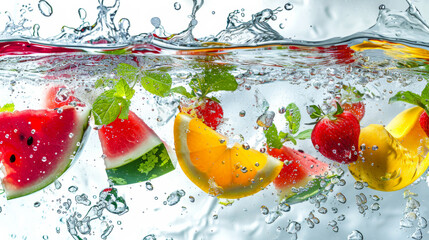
x=139, y=150
x=80, y=128
x=151, y=164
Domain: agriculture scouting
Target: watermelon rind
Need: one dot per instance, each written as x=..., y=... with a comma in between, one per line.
x=151, y=164
x=75, y=145
x=145, y=146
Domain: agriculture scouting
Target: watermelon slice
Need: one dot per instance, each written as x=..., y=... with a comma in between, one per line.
x=132, y=151
x=59, y=95
x=37, y=146
x=302, y=172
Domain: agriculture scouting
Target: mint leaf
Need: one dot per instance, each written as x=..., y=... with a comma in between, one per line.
x=306, y=134
x=273, y=140
x=293, y=117
x=125, y=108
x=408, y=97
x=157, y=83
x=182, y=91
x=213, y=79
x=123, y=90
x=425, y=94
x=106, y=108
x=127, y=71
x=8, y=107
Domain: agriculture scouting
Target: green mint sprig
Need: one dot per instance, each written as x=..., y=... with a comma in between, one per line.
x=421, y=100
x=276, y=139
x=115, y=102
x=8, y=107
x=214, y=77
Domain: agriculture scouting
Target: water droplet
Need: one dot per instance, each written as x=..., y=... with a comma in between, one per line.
x=177, y=6
x=272, y=216
x=156, y=22
x=36, y=28
x=150, y=237
x=266, y=119
x=37, y=204
x=375, y=206
x=293, y=227
x=191, y=199
x=382, y=7
x=341, y=217
x=149, y=186
x=358, y=185
x=45, y=8
x=412, y=203
x=242, y=113
x=57, y=184
x=73, y=189
x=375, y=148
x=264, y=210
x=341, y=198
x=309, y=223
x=322, y=210
x=422, y=222
x=284, y=207
x=281, y=26
x=355, y=235
x=244, y=170
x=45, y=237
x=246, y=146
x=83, y=199
x=175, y=197
x=288, y=6
x=82, y=14
x=417, y=234
x=213, y=12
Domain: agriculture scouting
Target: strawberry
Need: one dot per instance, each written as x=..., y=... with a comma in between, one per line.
x=208, y=110
x=336, y=135
x=351, y=100
x=424, y=122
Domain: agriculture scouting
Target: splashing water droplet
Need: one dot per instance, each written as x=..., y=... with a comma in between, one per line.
x=288, y=6
x=355, y=235
x=149, y=186
x=36, y=29
x=177, y=6
x=156, y=22
x=45, y=8
x=382, y=7
x=341, y=198
x=264, y=210
x=72, y=189
x=293, y=227
x=82, y=14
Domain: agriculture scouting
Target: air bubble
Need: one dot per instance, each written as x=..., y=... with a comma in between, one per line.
x=73, y=189
x=82, y=14
x=45, y=8
x=355, y=235
x=264, y=210
x=288, y=6
x=149, y=186
x=293, y=227
x=177, y=6
x=341, y=198
x=242, y=113
x=156, y=22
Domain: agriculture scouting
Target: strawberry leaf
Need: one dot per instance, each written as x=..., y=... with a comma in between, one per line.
x=293, y=117
x=273, y=140
x=315, y=112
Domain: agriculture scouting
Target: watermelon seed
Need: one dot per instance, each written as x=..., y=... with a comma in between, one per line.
x=12, y=158
x=30, y=141
x=21, y=137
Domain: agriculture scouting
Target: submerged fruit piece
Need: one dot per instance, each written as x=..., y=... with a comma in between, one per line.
x=37, y=146
x=209, y=111
x=133, y=152
x=218, y=170
x=337, y=138
x=424, y=122
x=302, y=172
x=59, y=95
x=385, y=163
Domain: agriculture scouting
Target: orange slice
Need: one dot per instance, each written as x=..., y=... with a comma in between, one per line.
x=216, y=169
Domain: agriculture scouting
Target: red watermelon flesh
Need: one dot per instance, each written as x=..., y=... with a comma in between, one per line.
x=299, y=170
x=37, y=146
x=125, y=140
x=59, y=95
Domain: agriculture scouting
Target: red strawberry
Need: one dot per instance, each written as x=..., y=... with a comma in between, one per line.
x=424, y=122
x=357, y=109
x=208, y=110
x=336, y=136
x=351, y=101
